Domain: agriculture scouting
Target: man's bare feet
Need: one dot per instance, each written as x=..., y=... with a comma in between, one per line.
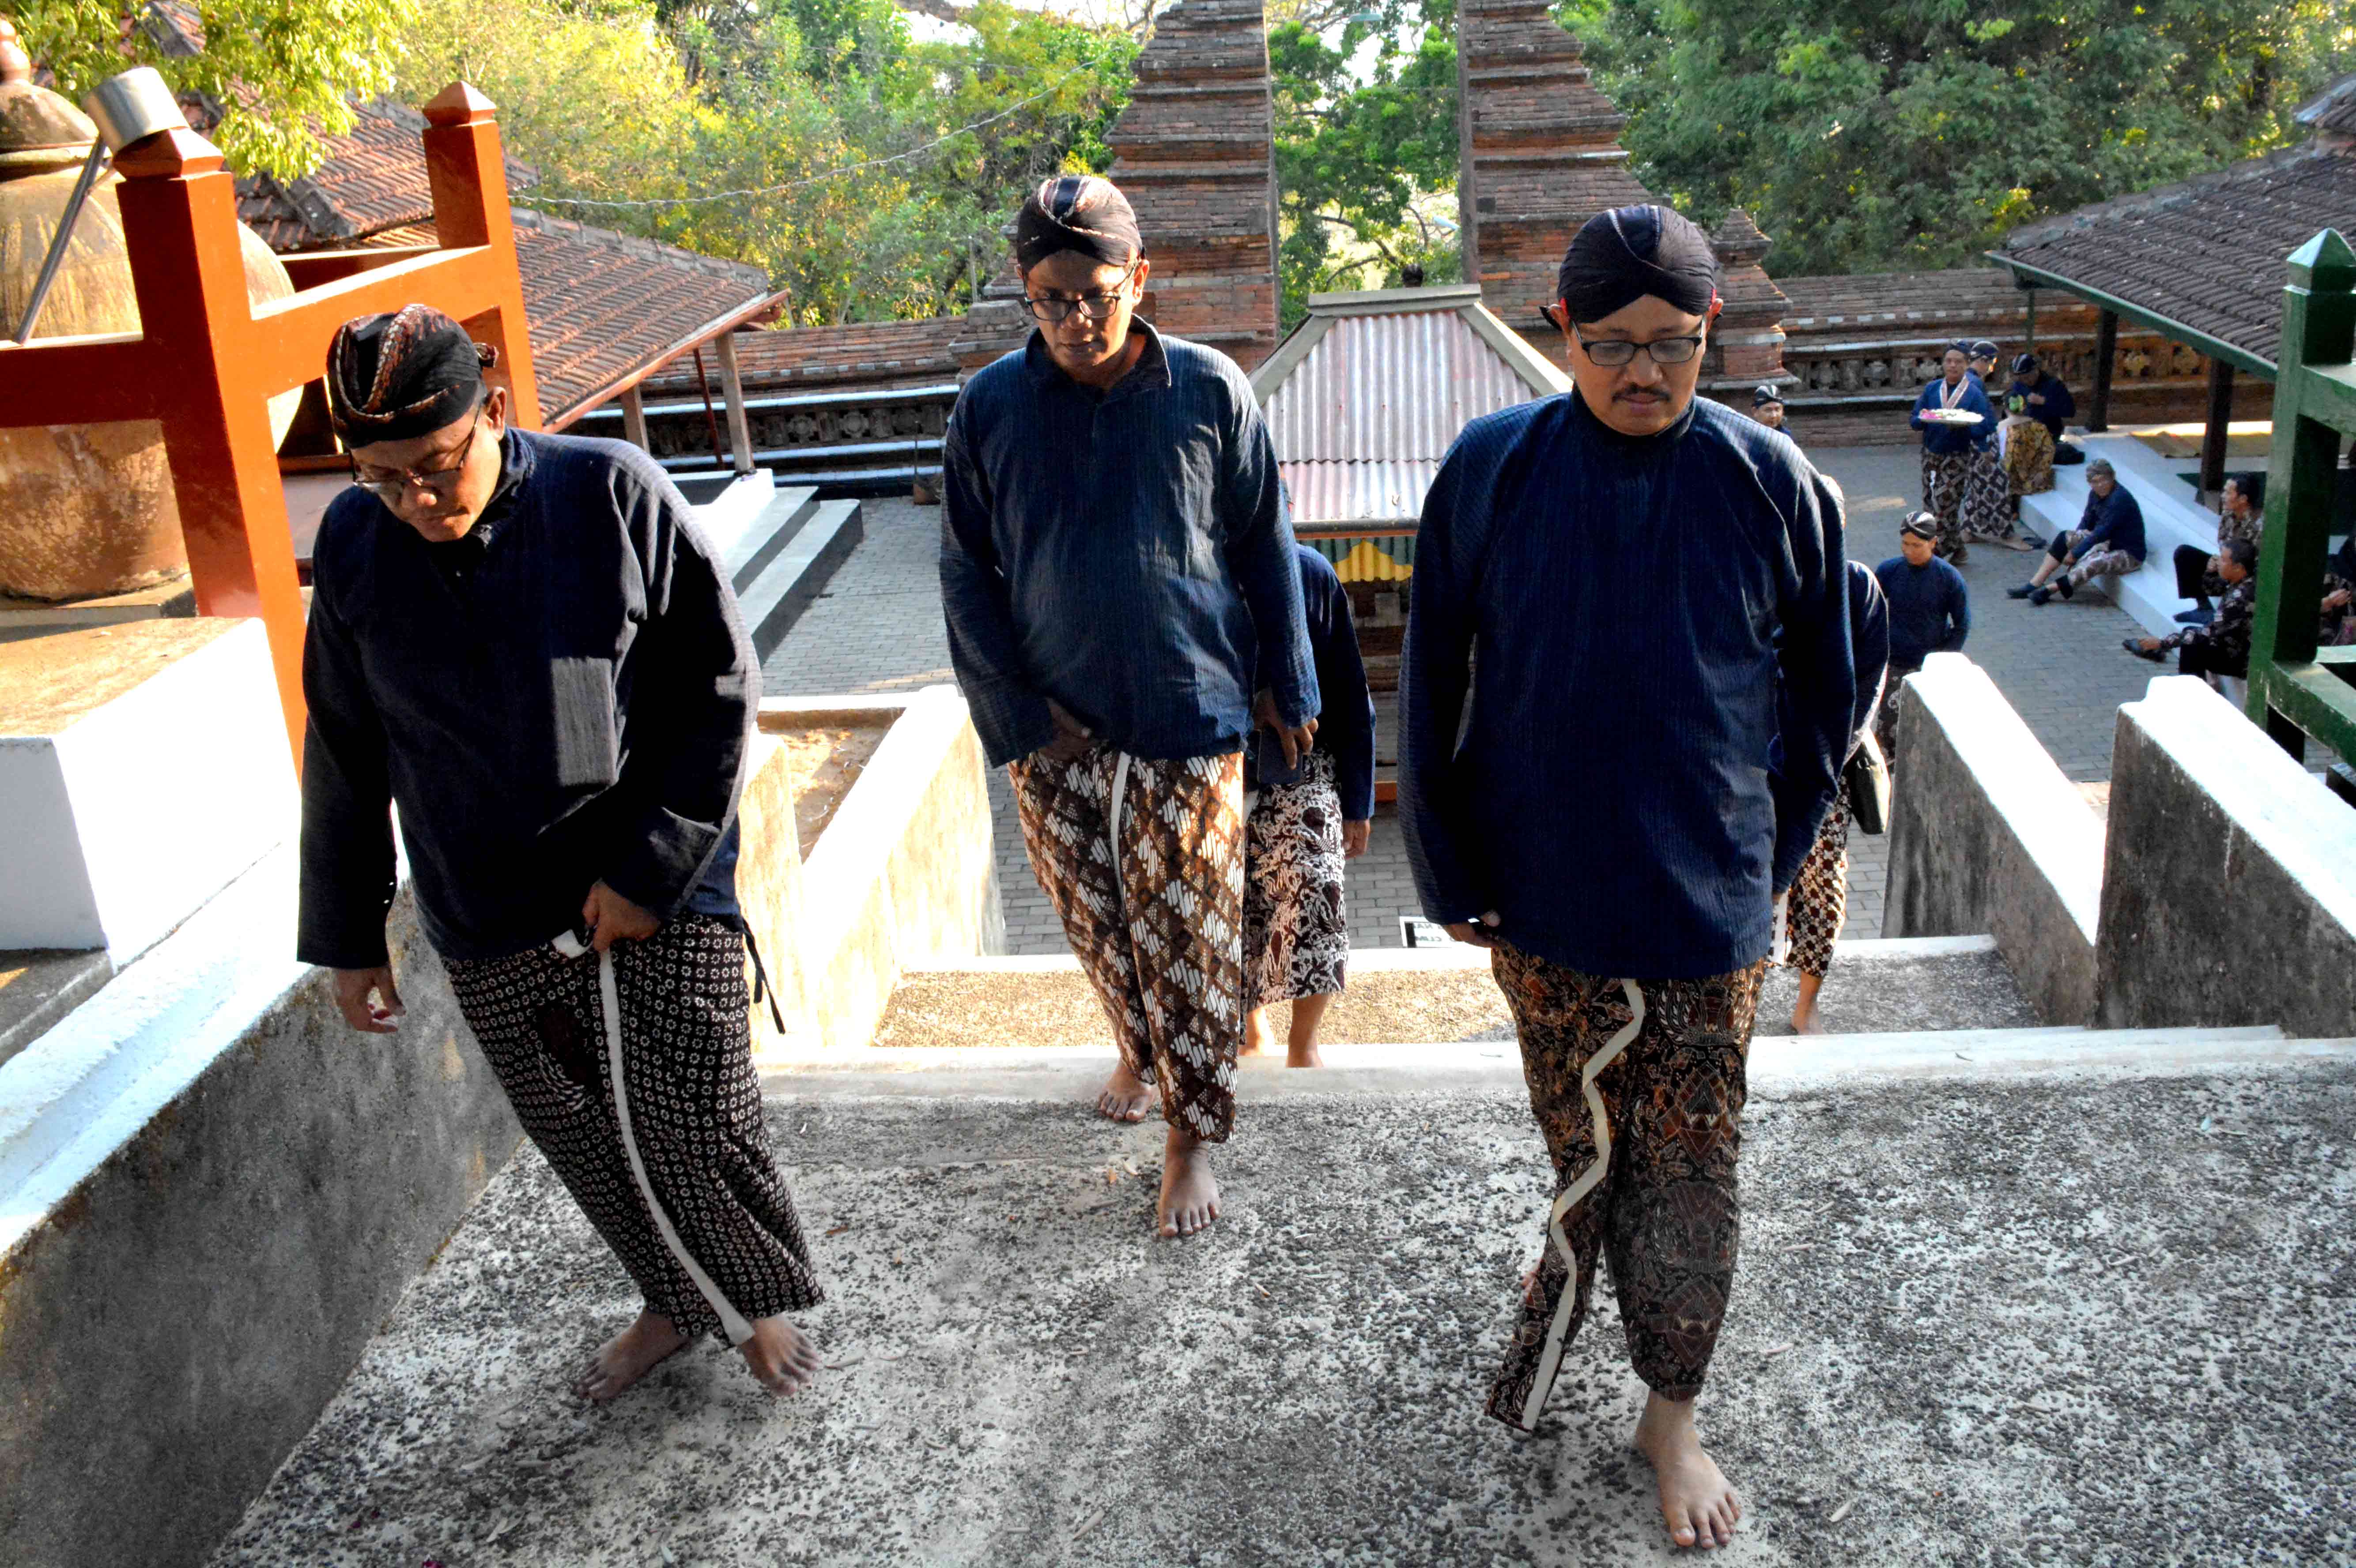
x=1126, y=1097
x=628, y=1356
x=1697, y=1504
x=1190, y=1198
x=781, y=1357
x=1804, y=1009
x=1301, y=1047
x=1257, y=1036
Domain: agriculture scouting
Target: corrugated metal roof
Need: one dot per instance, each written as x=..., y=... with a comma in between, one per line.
x=1362, y=421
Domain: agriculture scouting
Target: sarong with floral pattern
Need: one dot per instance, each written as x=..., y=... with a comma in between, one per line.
x=1638, y=1086
x=1296, y=928
x=1143, y=860
x=1946, y=479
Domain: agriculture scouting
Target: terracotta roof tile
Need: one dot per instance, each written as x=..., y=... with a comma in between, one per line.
x=2208, y=254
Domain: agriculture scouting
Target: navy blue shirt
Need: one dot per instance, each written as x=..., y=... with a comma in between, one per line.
x=1930, y=608
x=1345, y=723
x=2115, y=520
x=2055, y=410
x=1614, y=795
x=1952, y=440
x=570, y=702
x=1126, y=553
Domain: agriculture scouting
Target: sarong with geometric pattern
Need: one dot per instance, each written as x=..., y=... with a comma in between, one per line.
x=1947, y=478
x=1638, y=1086
x=694, y=1106
x=1819, y=897
x=1143, y=860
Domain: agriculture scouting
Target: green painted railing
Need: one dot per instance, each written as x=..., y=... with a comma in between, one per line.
x=2297, y=689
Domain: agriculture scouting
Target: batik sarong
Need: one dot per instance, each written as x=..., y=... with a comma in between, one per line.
x=1988, y=495
x=1944, y=478
x=685, y=1131
x=1885, y=716
x=1638, y=1086
x=2028, y=459
x=1818, y=900
x=1296, y=936
x=1144, y=863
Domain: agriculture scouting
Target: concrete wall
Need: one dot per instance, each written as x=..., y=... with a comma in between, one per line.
x=769, y=890
x=104, y=845
x=905, y=873
x=2229, y=890
x=1988, y=836
x=211, y=1193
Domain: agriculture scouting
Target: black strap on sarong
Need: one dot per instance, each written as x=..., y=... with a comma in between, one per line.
x=762, y=991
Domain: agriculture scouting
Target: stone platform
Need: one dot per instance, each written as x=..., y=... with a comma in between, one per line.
x=2000, y=1310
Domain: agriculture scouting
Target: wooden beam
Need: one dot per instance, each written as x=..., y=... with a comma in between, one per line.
x=633, y=419
x=2213, y=436
x=2106, y=354
x=731, y=386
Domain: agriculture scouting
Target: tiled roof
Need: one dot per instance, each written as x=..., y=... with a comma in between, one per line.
x=2333, y=108
x=604, y=306
x=2206, y=254
x=372, y=180
x=865, y=355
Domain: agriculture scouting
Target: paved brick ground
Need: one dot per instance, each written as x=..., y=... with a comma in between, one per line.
x=879, y=628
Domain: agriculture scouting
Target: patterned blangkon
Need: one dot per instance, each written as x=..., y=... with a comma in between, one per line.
x=2295, y=688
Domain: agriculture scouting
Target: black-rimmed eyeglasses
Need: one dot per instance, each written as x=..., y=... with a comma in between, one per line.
x=389, y=486
x=1613, y=352
x=1093, y=307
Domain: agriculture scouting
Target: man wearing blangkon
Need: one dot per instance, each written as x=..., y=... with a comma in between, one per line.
x=1636, y=567
x=523, y=641
x=1123, y=603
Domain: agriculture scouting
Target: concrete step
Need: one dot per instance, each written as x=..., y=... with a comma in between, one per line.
x=2172, y=515
x=787, y=580
x=774, y=528
x=1419, y=995
x=1935, y=1278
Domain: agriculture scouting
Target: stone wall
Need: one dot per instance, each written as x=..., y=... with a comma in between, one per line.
x=2229, y=886
x=1987, y=837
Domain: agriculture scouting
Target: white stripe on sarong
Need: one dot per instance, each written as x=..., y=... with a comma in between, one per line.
x=1112, y=826
x=1551, y=1357
x=731, y=1320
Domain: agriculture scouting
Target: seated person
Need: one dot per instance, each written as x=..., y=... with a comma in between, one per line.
x=2223, y=647
x=2028, y=462
x=2046, y=398
x=2241, y=514
x=2107, y=542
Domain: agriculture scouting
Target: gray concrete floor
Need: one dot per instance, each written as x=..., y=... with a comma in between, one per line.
x=2007, y=1321
x=879, y=628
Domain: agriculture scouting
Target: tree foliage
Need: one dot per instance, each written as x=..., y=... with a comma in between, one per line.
x=1866, y=135
x=1365, y=147
x=283, y=71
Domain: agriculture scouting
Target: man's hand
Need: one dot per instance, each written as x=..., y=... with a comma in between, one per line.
x=2036, y=399
x=353, y=988
x=1072, y=737
x=1476, y=932
x=2070, y=559
x=612, y=918
x=1297, y=738
x=1354, y=839
x=2338, y=599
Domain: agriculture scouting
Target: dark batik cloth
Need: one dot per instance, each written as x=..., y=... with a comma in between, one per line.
x=2223, y=647
x=1125, y=553
x=1345, y=715
x=1296, y=927
x=1819, y=900
x=1946, y=476
x=1614, y=795
x=695, y=1109
x=1156, y=918
x=568, y=699
x=1665, y=1209
x=1987, y=495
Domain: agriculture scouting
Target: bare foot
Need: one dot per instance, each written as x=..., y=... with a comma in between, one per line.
x=628, y=1356
x=1303, y=1056
x=1257, y=1036
x=1697, y=1504
x=1126, y=1097
x=781, y=1357
x=1190, y=1198
x=1805, y=1021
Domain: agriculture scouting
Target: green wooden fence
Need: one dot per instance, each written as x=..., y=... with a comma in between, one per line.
x=2295, y=688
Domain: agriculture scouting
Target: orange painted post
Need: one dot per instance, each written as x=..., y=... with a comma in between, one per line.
x=178, y=228
x=207, y=364
x=468, y=173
